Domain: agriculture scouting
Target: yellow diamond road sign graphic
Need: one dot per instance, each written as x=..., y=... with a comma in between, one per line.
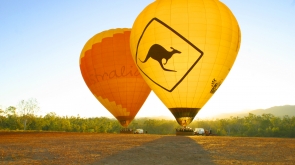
x=164, y=62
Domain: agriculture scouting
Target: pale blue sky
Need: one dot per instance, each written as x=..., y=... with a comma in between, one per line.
x=41, y=41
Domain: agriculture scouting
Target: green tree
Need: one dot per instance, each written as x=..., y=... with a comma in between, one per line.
x=37, y=123
x=27, y=110
x=150, y=125
x=252, y=123
x=238, y=125
x=12, y=121
x=266, y=125
x=287, y=127
x=11, y=110
x=50, y=122
x=2, y=118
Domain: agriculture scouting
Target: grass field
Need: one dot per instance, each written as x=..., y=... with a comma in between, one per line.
x=92, y=148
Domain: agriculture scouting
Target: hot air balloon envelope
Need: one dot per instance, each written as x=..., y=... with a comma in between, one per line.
x=184, y=50
x=111, y=75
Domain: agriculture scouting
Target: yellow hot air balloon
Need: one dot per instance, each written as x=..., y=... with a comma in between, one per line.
x=111, y=75
x=184, y=50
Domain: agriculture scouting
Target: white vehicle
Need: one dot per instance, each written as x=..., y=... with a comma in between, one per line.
x=199, y=131
x=138, y=131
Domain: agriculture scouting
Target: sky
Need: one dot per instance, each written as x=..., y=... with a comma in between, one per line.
x=41, y=42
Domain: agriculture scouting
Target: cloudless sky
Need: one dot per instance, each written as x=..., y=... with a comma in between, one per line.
x=41, y=41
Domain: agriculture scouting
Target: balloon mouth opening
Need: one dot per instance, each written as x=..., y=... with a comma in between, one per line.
x=124, y=120
x=184, y=116
x=184, y=121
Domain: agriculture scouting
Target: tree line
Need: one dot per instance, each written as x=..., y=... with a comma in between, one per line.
x=265, y=125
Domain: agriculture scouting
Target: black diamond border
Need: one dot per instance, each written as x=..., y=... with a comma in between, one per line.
x=179, y=35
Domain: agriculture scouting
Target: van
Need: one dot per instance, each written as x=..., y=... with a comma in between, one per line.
x=138, y=131
x=199, y=131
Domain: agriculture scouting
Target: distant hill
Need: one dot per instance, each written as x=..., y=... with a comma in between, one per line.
x=279, y=111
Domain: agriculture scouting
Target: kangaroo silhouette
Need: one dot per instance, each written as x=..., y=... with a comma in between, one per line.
x=158, y=52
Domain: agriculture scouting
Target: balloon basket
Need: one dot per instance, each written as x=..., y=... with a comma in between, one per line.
x=185, y=131
x=126, y=131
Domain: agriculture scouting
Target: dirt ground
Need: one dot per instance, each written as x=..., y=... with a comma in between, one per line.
x=113, y=149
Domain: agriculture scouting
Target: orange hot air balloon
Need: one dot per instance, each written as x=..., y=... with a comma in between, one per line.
x=111, y=75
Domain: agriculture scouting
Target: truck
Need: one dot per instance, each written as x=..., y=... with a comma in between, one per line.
x=138, y=131
x=199, y=131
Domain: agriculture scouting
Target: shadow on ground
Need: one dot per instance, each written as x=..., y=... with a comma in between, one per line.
x=166, y=151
